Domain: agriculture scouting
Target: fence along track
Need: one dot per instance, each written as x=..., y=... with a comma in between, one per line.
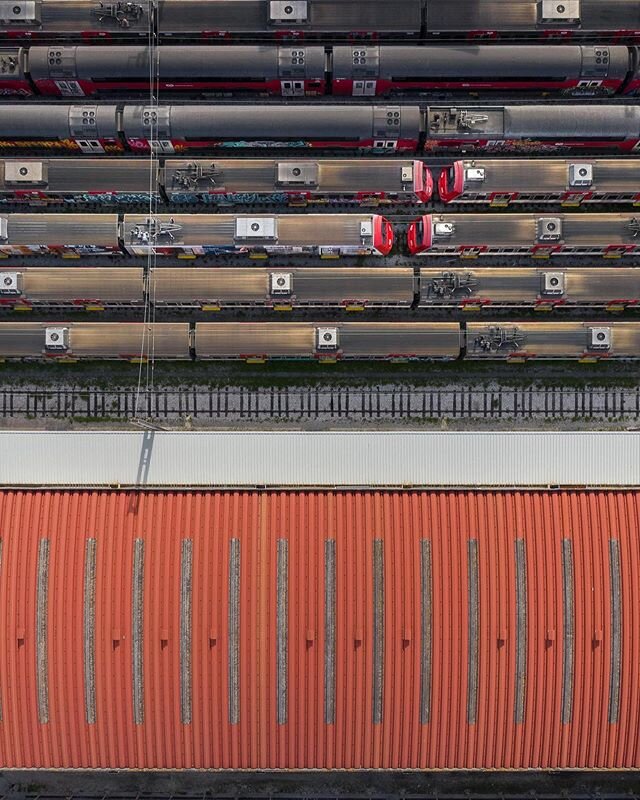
x=309, y=403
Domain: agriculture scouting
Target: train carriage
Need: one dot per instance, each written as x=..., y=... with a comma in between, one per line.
x=284, y=288
x=78, y=71
x=533, y=19
x=78, y=181
x=609, y=235
x=562, y=340
x=210, y=234
x=571, y=182
x=524, y=128
x=576, y=70
x=80, y=234
x=94, y=340
x=330, y=341
x=298, y=182
x=88, y=288
x=527, y=286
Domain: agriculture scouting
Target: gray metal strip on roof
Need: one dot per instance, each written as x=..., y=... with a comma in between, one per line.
x=42, y=632
x=616, y=630
x=568, y=641
x=473, y=612
x=89, y=631
x=426, y=622
x=282, y=626
x=234, y=631
x=378, y=630
x=137, y=634
x=186, y=604
x=252, y=459
x=330, y=631
x=521, y=630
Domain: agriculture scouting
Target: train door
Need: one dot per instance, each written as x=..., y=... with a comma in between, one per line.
x=364, y=88
x=90, y=146
x=292, y=88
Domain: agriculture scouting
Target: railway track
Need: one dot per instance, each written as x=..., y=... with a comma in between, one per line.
x=236, y=404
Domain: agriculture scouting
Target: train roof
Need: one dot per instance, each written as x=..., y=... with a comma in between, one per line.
x=176, y=61
x=261, y=16
x=60, y=283
x=79, y=174
x=74, y=16
x=460, y=61
x=60, y=229
x=528, y=15
x=53, y=121
x=308, y=284
x=356, y=339
x=608, y=174
x=98, y=339
x=266, y=121
x=269, y=175
x=309, y=230
x=567, y=121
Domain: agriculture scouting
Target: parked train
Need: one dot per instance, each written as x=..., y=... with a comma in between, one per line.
x=320, y=19
x=93, y=129
x=347, y=288
x=304, y=182
x=314, y=70
x=261, y=341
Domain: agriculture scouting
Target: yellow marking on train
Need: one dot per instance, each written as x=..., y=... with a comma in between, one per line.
x=354, y=307
x=499, y=203
x=94, y=308
x=470, y=307
x=66, y=360
x=186, y=256
x=258, y=256
x=139, y=360
x=23, y=308
x=210, y=308
x=615, y=308
x=612, y=255
x=570, y=205
x=587, y=360
x=283, y=308
x=327, y=360
x=255, y=360
x=541, y=255
x=544, y=307
x=325, y=256
x=516, y=360
x=298, y=205
x=70, y=255
x=4, y=255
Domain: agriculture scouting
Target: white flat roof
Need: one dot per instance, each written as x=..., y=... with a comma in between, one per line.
x=332, y=459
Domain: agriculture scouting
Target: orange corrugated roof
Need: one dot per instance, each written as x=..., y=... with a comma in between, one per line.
x=293, y=630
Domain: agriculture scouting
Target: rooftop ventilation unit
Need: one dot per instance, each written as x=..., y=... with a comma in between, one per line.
x=406, y=174
x=10, y=283
x=56, y=338
x=297, y=173
x=560, y=11
x=256, y=228
x=4, y=230
x=549, y=229
x=282, y=12
x=599, y=339
x=20, y=11
x=281, y=283
x=474, y=174
x=327, y=338
x=366, y=228
x=580, y=175
x=444, y=228
x=552, y=283
x=25, y=173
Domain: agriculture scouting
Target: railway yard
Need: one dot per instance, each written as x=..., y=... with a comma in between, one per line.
x=278, y=186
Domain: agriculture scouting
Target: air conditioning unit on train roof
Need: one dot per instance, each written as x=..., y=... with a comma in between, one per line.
x=297, y=173
x=599, y=338
x=10, y=283
x=366, y=228
x=549, y=229
x=560, y=11
x=20, y=11
x=580, y=175
x=443, y=228
x=256, y=228
x=327, y=338
x=552, y=283
x=26, y=173
x=56, y=338
x=282, y=12
x=474, y=174
x=281, y=283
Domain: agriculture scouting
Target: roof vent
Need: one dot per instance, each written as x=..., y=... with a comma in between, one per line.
x=19, y=11
x=560, y=11
x=599, y=339
x=256, y=228
x=4, y=229
x=474, y=174
x=327, y=338
x=580, y=174
x=366, y=228
x=444, y=228
x=56, y=338
x=282, y=12
x=297, y=173
x=407, y=174
x=10, y=283
x=281, y=283
x=549, y=229
x=21, y=173
x=553, y=283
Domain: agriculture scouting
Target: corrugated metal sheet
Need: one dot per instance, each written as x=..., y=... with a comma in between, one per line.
x=289, y=630
x=254, y=459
